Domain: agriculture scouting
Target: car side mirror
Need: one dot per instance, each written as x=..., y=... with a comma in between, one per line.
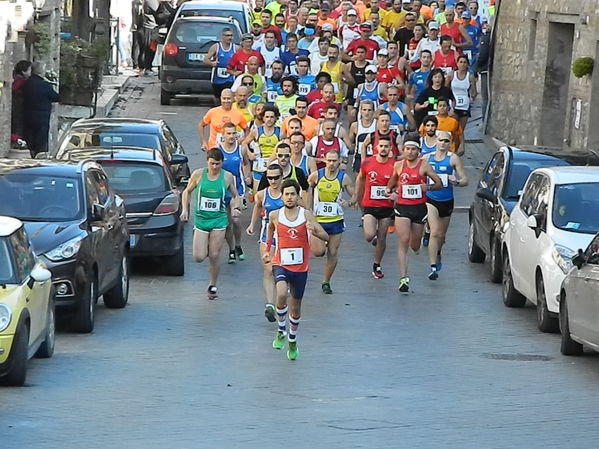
x=579, y=259
x=39, y=274
x=486, y=194
x=98, y=212
x=178, y=159
x=532, y=222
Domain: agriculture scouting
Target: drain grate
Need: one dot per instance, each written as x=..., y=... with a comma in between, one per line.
x=517, y=357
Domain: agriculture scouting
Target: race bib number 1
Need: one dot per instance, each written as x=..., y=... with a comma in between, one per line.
x=292, y=256
x=209, y=204
x=377, y=193
x=411, y=192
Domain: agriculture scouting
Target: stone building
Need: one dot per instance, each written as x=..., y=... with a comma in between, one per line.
x=536, y=99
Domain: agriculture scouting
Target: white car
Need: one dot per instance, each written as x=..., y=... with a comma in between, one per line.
x=557, y=213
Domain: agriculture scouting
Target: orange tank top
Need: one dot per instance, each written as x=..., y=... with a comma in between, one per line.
x=292, y=250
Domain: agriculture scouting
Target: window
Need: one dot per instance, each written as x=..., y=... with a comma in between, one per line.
x=576, y=207
x=528, y=201
x=488, y=173
x=135, y=177
x=497, y=174
x=204, y=33
x=103, y=190
x=592, y=252
x=7, y=275
x=23, y=256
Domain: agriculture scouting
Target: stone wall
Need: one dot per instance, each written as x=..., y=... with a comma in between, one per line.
x=522, y=111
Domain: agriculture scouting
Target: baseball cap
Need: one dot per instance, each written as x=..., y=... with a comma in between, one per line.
x=433, y=26
x=382, y=52
x=371, y=68
x=366, y=25
x=352, y=12
x=246, y=36
x=466, y=14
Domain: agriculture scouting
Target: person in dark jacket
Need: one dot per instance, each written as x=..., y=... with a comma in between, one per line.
x=38, y=96
x=20, y=74
x=482, y=65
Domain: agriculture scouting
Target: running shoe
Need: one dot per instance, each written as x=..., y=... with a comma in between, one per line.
x=292, y=350
x=232, y=258
x=439, y=264
x=279, y=341
x=212, y=292
x=269, y=313
x=404, y=285
x=377, y=272
x=374, y=241
x=433, y=275
x=239, y=253
x=326, y=288
x=426, y=238
x=244, y=204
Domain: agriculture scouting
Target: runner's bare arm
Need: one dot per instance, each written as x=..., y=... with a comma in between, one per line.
x=410, y=117
x=364, y=146
x=427, y=170
x=467, y=42
x=270, y=232
x=348, y=186
x=461, y=180
x=209, y=60
x=314, y=227
x=246, y=170
x=245, y=143
x=203, y=144
x=256, y=211
x=393, y=179
x=359, y=190
x=312, y=179
x=472, y=91
x=235, y=198
x=353, y=130
x=194, y=180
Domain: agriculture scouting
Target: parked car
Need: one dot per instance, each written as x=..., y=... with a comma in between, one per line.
x=78, y=229
x=152, y=202
x=557, y=213
x=578, y=302
x=126, y=132
x=183, y=70
x=228, y=9
x=498, y=192
x=26, y=304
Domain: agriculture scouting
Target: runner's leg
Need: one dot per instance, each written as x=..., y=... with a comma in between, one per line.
x=416, y=236
x=199, y=250
x=317, y=246
x=404, y=231
x=268, y=282
x=370, y=226
x=434, y=224
x=381, y=242
x=215, y=243
x=332, y=250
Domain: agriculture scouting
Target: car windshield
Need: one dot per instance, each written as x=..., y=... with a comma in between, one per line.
x=33, y=197
x=202, y=33
x=109, y=139
x=576, y=207
x=134, y=177
x=238, y=15
x=519, y=172
x=7, y=275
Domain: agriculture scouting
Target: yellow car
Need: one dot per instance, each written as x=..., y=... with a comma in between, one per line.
x=26, y=304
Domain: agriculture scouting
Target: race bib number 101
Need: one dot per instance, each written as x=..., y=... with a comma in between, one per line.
x=411, y=192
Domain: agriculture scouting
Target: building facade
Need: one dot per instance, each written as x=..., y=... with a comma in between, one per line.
x=536, y=99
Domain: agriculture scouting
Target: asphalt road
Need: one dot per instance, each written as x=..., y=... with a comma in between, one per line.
x=447, y=366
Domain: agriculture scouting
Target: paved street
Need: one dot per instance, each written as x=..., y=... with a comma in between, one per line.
x=447, y=366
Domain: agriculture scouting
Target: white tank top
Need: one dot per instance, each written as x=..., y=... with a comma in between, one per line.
x=361, y=134
x=269, y=56
x=460, y=89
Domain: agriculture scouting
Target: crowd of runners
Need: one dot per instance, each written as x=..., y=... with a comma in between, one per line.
x=328, y=106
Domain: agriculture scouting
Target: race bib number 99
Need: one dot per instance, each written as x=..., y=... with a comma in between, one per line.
x=411, y=192
x=377, y=193
x=292, y=256
x=209, y=204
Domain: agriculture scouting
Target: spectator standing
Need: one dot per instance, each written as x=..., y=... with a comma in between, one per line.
x=20, y=75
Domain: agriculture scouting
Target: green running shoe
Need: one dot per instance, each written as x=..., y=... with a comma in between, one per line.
x=239, y=253
x=326, y=288
x=292, y=351
x=269, y=313
x=404, y=285
x=279, y=341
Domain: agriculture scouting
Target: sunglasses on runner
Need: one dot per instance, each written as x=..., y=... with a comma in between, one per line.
x=443, y=140
x=273, y=178
x=248, y=84
x=285, y=156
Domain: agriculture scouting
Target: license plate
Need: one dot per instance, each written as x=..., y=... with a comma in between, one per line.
x=132, y=240
x=196, y=56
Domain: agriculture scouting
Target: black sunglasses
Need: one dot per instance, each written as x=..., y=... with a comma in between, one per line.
x=284, y=155
x=273, y=178
x=443, y=140
x=248, y=84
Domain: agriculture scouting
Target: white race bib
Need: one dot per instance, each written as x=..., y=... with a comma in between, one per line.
x=447, y=70
x=304, y=89
x=221, y=72
x=462, y=102
x=292, y=256
x=444, y=177
x=271, y=96
x=468, y=53
x=260, y=164
x=219, y=138
x=327, y=210
x=377, y=193
x=411, y=192
x=394, y=128
x=209, y=204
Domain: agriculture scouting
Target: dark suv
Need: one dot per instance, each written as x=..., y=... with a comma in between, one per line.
x=153, y=204
x=77, y=227
x=183, y=70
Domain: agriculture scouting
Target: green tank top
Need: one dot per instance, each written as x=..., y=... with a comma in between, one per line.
x=210, y=211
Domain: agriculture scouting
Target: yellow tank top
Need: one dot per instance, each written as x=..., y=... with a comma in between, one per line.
x=247, y=115
x=266, y=146
x=335, y=73
x=326, y=207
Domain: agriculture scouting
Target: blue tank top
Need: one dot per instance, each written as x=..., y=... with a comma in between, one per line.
x=268, y=204
x=232, y=163
x=372, y=95
x=219, y=73
x=443, y=169
x=303, y=164
x=273, y=90
x=397, y=117
x=306, y=84
x=425, y=149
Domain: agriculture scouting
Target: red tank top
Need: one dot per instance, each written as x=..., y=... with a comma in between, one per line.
x=444, y=62
x=323, y=148
x=374, y=142
x=409, y=190
x=452, y=31
x=292, y=250
x=376, y=176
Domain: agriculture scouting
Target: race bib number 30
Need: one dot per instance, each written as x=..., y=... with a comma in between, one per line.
x=377, y=193
x=327, y=210
x=209, y=204
x=292, y=256
x=411, y=192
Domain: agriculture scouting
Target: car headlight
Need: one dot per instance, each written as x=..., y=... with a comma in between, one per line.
x=66, y=250
x=5, y=316
x=562, y=256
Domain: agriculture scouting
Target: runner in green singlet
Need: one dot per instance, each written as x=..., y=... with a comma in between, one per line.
x=210, y=213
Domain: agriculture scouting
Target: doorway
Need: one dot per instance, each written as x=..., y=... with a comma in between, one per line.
x=557, y=81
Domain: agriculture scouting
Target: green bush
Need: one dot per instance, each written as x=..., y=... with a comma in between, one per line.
x=582, y=67
x=42, y=40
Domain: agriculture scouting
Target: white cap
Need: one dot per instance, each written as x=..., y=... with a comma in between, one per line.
x=352, y=12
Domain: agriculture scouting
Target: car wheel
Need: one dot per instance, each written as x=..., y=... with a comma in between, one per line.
x=511, y=296
x=17, y=374
x=117, y=296
x=546, y=320
x=495, y=261
x=175, y=265
x=83, y=320
x=46, y=349
x=568, y=346
x=165, y=97
x=475, y=254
